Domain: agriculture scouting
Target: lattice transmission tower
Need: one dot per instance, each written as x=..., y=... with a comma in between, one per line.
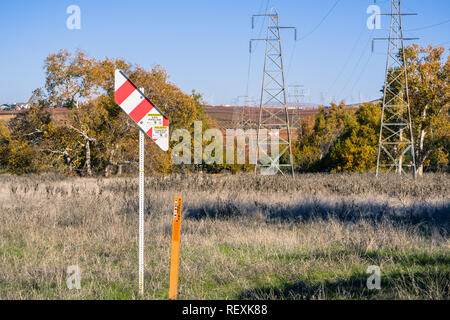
x=273, y=109
x=396, y=142
x=297, y=99
x=245, y=119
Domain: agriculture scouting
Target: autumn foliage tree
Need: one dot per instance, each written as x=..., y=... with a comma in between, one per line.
x=356, y=149
x=313, y=147
x=429, y=91
x=96, y=136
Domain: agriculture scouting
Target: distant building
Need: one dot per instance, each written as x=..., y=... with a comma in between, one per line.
x=15, y=106
x=21, y=106
x=6, y=107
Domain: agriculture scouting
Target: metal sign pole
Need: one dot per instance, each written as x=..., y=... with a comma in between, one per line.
x=141, y=211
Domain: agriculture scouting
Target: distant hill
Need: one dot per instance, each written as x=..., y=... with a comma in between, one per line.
x=226, y=117
x=59, y=114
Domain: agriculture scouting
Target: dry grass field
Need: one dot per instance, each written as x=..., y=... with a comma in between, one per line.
x=243, y=236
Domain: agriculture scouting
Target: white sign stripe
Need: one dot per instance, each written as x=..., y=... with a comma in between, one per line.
x=132, y=101
x=146, y=125
x=163, y=143
x=119, y=80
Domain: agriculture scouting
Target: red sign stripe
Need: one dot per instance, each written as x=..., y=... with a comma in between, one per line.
x=149, y=132
x=141, y=110
x=165, y=122
x=124, y=92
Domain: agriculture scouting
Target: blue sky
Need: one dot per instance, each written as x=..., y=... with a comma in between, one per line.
x=203, y=44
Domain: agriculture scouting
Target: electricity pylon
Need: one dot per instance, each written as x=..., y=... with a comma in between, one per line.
x=273, y=109
x=245, y=120
x=298, y=97
x=396, y=142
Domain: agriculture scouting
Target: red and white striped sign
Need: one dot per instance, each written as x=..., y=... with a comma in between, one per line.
x=141, y=110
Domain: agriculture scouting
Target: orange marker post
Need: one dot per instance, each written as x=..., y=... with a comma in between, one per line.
x=175, y=248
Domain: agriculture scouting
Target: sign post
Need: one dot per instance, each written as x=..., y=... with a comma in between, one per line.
x=152, y=122
x=141, y=209
x=175, y=247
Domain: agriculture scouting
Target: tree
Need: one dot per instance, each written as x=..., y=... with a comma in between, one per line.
x=429, y=91
x=104, y=137
x=313, y=147
x=20, y=158
x=5, y=138
x=27, y=132
x=356, y=150
x=17, y=154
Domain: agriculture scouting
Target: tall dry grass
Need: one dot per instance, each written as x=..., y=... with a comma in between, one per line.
x=243, y=236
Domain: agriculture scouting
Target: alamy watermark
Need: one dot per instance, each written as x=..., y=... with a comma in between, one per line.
x=374, y=281
x=374, y=20
x=73, y=22
x=73, y=281
x=235, y=147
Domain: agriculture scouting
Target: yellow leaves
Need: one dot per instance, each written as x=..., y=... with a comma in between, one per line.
x=356, y=153
x=442, y=156
x=70, y=78
x=20, y=157
x=429, y=91
x=4, y=131
x=369, y=114
x=5, y=137
x=441, y=125
x=78, y=77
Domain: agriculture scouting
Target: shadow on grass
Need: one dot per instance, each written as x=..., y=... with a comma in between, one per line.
x=408, y=258
x=378, y=257
x=422, y=285
x=432, y=215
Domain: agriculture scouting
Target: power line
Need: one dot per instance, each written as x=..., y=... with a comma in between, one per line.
x=348, y=60
x=291, y=58
x=358, y=62
x=259, y=34
x=308, y=34
x=430, y=26
x=262, y=22
x=321, y=21
x=250, y=53
x=288, y=73
x=361, y=73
